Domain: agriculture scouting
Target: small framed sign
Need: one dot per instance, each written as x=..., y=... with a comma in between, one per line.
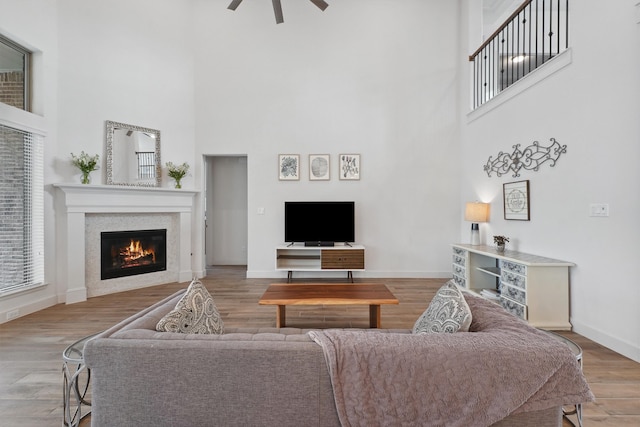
x=516, y=200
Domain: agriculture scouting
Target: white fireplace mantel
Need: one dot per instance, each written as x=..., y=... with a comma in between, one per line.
x=74, y=201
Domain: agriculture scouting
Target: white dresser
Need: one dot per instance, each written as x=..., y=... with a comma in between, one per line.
x=532, y=287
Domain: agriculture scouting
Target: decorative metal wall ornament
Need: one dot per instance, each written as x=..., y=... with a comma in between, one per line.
x=529, y=158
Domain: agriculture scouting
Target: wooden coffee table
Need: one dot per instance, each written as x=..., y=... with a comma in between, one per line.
x=371, y=294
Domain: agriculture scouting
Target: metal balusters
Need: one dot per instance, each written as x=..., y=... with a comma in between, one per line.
x=532, y=35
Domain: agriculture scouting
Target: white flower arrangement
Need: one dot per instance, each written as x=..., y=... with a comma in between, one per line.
x=177, y=172
x=86, y=164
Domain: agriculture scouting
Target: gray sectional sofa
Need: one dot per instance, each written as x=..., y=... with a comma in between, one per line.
x=245, y=377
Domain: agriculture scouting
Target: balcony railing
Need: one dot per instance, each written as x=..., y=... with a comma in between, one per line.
x=536, y=32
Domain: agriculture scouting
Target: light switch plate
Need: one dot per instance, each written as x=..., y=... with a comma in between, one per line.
x=599, y=209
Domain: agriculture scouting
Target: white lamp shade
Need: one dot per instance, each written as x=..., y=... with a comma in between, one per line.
x=476, y=212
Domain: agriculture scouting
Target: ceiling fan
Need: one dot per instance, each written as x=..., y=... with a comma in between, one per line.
x=277, y=7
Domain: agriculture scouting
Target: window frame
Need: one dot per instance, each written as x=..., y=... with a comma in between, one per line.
x=26, y=68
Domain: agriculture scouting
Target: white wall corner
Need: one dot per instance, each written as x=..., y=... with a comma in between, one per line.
x=638, y=13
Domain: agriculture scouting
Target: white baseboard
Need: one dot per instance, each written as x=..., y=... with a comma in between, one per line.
x=627, y=349
x=29, y=308
x=76, y=295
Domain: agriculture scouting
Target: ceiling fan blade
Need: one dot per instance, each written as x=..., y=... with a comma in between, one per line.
x=234, y=4
x=322, y=5
x=277, y=9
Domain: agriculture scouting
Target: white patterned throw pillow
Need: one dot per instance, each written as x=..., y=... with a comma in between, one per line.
x=447, y=312
x=195, y=313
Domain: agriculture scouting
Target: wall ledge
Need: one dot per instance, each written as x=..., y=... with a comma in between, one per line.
x=533, y=78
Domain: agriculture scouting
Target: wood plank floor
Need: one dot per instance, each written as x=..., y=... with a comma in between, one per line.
x=31, y=346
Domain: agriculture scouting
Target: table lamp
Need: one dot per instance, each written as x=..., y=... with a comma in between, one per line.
x=476, y=212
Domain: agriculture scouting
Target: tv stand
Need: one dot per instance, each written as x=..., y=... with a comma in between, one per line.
x=309, y=258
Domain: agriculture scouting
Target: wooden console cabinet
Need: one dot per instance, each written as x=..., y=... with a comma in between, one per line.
x=531, y=287
x=311, y=258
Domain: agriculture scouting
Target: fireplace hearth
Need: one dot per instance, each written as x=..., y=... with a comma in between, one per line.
x=127, y=253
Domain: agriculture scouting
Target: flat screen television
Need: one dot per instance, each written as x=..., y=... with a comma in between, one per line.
x=319, y=223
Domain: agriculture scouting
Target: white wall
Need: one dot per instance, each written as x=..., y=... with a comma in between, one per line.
x=592, y=106
x=130, y=62
x=366, y=76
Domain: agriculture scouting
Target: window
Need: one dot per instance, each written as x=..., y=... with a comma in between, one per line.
x=22, y=207
x=14, y=74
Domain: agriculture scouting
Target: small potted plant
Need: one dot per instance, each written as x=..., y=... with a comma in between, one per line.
x=86, y=164
x=500, y=242
x=177, y=172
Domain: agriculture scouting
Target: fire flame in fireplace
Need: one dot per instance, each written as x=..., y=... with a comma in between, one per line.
x=135, y=254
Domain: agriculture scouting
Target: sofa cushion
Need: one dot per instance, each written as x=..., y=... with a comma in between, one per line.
x=195, y=313
x=447, y=312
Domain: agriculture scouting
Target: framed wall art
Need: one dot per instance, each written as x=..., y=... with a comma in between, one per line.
x=319, y=167
x=289, y=167
x=350, y=166
x=516, y=200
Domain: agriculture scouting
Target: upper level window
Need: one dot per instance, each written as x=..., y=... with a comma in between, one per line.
x=14, y=74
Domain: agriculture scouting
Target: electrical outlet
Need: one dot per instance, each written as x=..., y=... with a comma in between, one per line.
x=13, y=314
x=599, y=209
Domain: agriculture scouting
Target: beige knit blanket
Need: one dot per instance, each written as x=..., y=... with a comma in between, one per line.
x=502, y=366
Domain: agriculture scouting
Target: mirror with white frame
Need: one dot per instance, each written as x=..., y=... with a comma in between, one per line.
x=133, y=155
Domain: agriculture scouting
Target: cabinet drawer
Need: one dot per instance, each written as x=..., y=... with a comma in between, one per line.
x=459, y=271
x=460, y=260
x=514, y=308
x=347, y=259
x=513, y=279
x=461, y=252
x=512, y=293
x=513, y=267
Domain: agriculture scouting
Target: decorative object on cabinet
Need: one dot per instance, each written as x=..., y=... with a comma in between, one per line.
x=289, y=167
x=277, y=8
x=500, y=242
x=86, y=164
x=531, y=287
x=319, y=167
x=133, y=155
x=476, y=212
x=529, y=158
x=349, y=166
x=177, y=172
x=516, y=200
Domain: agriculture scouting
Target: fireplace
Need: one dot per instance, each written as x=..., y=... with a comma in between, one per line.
x=127, y=253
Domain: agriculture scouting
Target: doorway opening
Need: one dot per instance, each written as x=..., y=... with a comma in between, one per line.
x=226, y=215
